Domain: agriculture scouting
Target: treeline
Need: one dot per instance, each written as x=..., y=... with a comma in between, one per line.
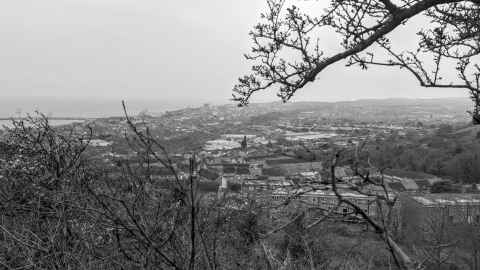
x=448, y=152
x=62, y=209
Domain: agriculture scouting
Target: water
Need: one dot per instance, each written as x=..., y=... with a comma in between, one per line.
x=52, y=122
x=86, y=108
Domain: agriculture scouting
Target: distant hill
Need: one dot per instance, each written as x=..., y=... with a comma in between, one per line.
x=367, y=110
x=450, y=109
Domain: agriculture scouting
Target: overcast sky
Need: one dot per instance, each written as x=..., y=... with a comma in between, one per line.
x=155, y=49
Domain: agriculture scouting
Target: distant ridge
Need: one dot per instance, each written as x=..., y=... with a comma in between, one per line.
x=399, y=101
x=82, y=108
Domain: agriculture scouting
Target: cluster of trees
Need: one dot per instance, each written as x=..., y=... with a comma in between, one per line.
x=288, y=54
x=449, y=152
x=61, y=208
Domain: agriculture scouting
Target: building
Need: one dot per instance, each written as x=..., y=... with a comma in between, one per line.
x=327, y=200
x=293, y=166
x=408, y=181
x=455, y=208
x=209, y=174
x=263, y=186
x=222, y=189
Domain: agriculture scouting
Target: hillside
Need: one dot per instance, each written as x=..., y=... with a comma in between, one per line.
x=369, y=110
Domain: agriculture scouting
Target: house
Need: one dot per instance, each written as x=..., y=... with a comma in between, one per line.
x=345, y=174
x=256, y=169
x=309, y=177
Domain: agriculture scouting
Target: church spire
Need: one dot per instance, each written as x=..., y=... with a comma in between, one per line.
x=244, y=144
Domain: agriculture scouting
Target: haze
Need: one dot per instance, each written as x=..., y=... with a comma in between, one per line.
x=178, y=52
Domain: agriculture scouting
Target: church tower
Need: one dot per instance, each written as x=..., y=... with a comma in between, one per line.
x=244, y=144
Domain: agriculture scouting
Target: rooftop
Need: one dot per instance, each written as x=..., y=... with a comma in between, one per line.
x=288, y=161
x=241, y=169
x=273, y=172
x=319, y=193
x=209, y=174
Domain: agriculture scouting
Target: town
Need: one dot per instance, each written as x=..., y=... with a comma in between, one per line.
x=404, y=171
x=226, y=135
x=277, y=152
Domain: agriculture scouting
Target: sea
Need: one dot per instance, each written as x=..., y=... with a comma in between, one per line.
x=86, y=108
x=53, y=122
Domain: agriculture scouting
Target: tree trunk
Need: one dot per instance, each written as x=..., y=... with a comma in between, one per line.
x=476, y=118
x=405, y=260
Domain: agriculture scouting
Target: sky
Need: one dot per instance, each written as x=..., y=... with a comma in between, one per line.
x=176, y=51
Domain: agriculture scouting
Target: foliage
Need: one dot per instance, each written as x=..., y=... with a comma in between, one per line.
x=444, y=187
x=288, y=44
x=446, y=153
x=61, y=208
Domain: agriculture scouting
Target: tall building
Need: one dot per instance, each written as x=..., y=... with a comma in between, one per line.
x=244, y=144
